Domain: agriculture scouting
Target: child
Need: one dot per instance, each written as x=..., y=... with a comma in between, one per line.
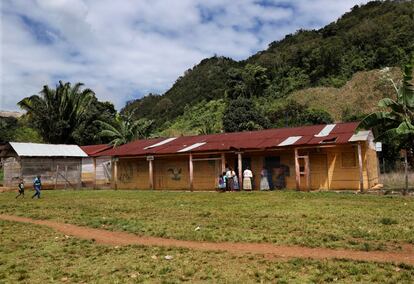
x=21, y=188
x=222, y=183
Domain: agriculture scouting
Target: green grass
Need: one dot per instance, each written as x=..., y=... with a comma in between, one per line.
x=361, y=222
x=36, y=254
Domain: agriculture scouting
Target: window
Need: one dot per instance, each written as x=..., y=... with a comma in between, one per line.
x=348, y=159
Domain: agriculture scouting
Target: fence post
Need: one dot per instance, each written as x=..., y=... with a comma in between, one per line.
x=406, y=172
x=297, y=170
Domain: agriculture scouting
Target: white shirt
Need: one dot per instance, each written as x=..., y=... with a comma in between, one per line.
x=247, y=173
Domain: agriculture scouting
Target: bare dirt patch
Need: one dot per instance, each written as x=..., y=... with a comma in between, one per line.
x=270, y=250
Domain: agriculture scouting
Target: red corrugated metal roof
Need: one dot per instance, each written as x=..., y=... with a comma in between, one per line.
x=95, y=149
x=263, y=139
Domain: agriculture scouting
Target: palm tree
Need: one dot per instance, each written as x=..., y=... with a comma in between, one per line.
x=396, y=116
x=124, y=129
x=56, y=113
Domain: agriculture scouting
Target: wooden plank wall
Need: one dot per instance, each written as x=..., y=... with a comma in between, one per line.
x=133, y=173
x=206, y=174
x=371, y=177
x=172, y=173
x=341, y=177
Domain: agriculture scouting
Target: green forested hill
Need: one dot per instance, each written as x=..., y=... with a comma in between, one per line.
x=205, y=82
x=371, y=36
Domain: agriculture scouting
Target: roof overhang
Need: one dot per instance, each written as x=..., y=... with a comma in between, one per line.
x=13, y=149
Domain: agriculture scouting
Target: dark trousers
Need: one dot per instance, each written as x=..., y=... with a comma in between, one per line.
x=37, y=193
x=21, y=192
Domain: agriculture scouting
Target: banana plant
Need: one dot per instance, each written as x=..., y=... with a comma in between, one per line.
x=395, y=119
x=125, y=129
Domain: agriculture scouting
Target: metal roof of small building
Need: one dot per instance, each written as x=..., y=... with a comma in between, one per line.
x=95, y=149
x=339, y=133
x=47, y=150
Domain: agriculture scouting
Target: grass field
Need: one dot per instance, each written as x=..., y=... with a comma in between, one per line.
x=35, y=254
x=360, y=222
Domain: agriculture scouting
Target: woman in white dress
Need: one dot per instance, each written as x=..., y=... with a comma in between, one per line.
x=264, y=182
x=247, y=179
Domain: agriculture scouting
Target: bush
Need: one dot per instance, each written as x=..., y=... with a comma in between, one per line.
x=388, y=221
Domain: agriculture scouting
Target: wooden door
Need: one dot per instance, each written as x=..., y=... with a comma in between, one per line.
x=319, y=171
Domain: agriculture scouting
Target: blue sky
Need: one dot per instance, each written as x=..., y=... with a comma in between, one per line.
x=125, y=49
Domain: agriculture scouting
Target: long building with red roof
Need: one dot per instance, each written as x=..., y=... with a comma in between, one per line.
x=324, y=157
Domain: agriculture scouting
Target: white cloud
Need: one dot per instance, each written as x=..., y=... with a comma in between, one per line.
x=124, y=49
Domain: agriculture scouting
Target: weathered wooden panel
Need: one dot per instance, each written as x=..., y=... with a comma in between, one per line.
x=318, y=171
x=371, y=177
x=172, y=173
x=206, y=174
x=342, y=174
x=133, y=174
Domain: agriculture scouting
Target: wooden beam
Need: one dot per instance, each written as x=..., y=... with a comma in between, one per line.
x=206, y=159
x=361, y=169
x=223, y=162
x=190, y=166
x=297, y=170
x=307, y=173
x=151, y=173
x=240, y=165
x=94, y=172
x=116, y=174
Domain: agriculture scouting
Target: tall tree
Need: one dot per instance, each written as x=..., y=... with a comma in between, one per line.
x=395, y=120
x=242, y=115
x=57, y=113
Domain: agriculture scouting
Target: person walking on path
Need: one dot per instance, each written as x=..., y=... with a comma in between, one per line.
x=21, y=188
x=37, y=185
x=264, y=182
x=247, y=179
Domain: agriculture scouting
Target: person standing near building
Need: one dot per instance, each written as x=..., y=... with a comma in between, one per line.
x=222, y=182
x=247, y=179
x=21, y=188
x=236, y=183
x=229, y=179
x=264, y=182
x=37, y=185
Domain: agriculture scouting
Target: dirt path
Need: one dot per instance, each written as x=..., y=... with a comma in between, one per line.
x=270, y=250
